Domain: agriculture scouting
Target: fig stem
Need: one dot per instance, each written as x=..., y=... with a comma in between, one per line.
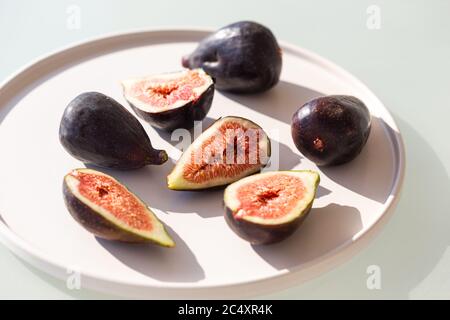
x=162, y=156
x=156, y=157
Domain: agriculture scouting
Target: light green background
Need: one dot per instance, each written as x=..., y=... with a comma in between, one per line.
x=406, y=63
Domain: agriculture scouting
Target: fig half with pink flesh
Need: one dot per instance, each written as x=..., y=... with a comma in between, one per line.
x=172, y=100
x=106, y=208
x=230, y=149
x=268, y=207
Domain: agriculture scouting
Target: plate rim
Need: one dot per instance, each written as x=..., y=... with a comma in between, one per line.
x=327, y=261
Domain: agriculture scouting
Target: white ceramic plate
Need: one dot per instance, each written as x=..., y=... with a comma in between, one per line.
x=353, y=201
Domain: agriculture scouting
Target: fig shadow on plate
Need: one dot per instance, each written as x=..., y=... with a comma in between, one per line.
x=167, y=136
x=176, y=264
x=323, y=230
x=322, y=192
x=368, y=172
x=419, y=227
x=282, y=157
x=280, y=102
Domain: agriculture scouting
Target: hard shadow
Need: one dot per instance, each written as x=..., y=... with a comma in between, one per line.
x=376, y=165
x=322, y=231
x=418, y=233
x=167, y=136
x=280, y=102
x=282, y=157
x=322, y=192
x=207, y=122
x=165, y=264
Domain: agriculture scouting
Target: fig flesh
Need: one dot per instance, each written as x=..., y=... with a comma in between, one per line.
x=243, y=57
x=173, y=100
x=98, y=130
x=109, y=210
x=231, y=148
x=331, y=130
x=268, y=207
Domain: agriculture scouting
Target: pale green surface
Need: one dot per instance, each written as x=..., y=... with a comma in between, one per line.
x=406, y=63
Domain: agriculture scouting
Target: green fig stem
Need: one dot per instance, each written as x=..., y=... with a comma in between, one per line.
x=159, y=157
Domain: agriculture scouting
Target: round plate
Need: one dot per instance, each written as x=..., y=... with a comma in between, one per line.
x=353, y=201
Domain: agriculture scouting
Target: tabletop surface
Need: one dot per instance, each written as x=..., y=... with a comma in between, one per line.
x=400, y=49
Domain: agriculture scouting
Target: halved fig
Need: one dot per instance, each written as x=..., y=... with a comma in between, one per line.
x=172, y=100
x=106, y=208
x=231, y=148
x=268, y=207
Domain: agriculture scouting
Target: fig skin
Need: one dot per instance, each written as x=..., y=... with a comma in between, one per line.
x=98, y=130
x=331, y=130
x=243, y=57
x=259, y=234
x=182, y=117
x=95, y=223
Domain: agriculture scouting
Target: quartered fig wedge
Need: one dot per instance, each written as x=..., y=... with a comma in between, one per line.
x=231, y=148
x=98, y=130
x=172, y=100
x=268, y=207
x=106, y=208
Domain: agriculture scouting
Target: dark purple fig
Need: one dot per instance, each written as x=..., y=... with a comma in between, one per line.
x=331, y=130
x=243, y=57
x=268, y=207
x=98, y=130
x=106, y=208
x=172, y=100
